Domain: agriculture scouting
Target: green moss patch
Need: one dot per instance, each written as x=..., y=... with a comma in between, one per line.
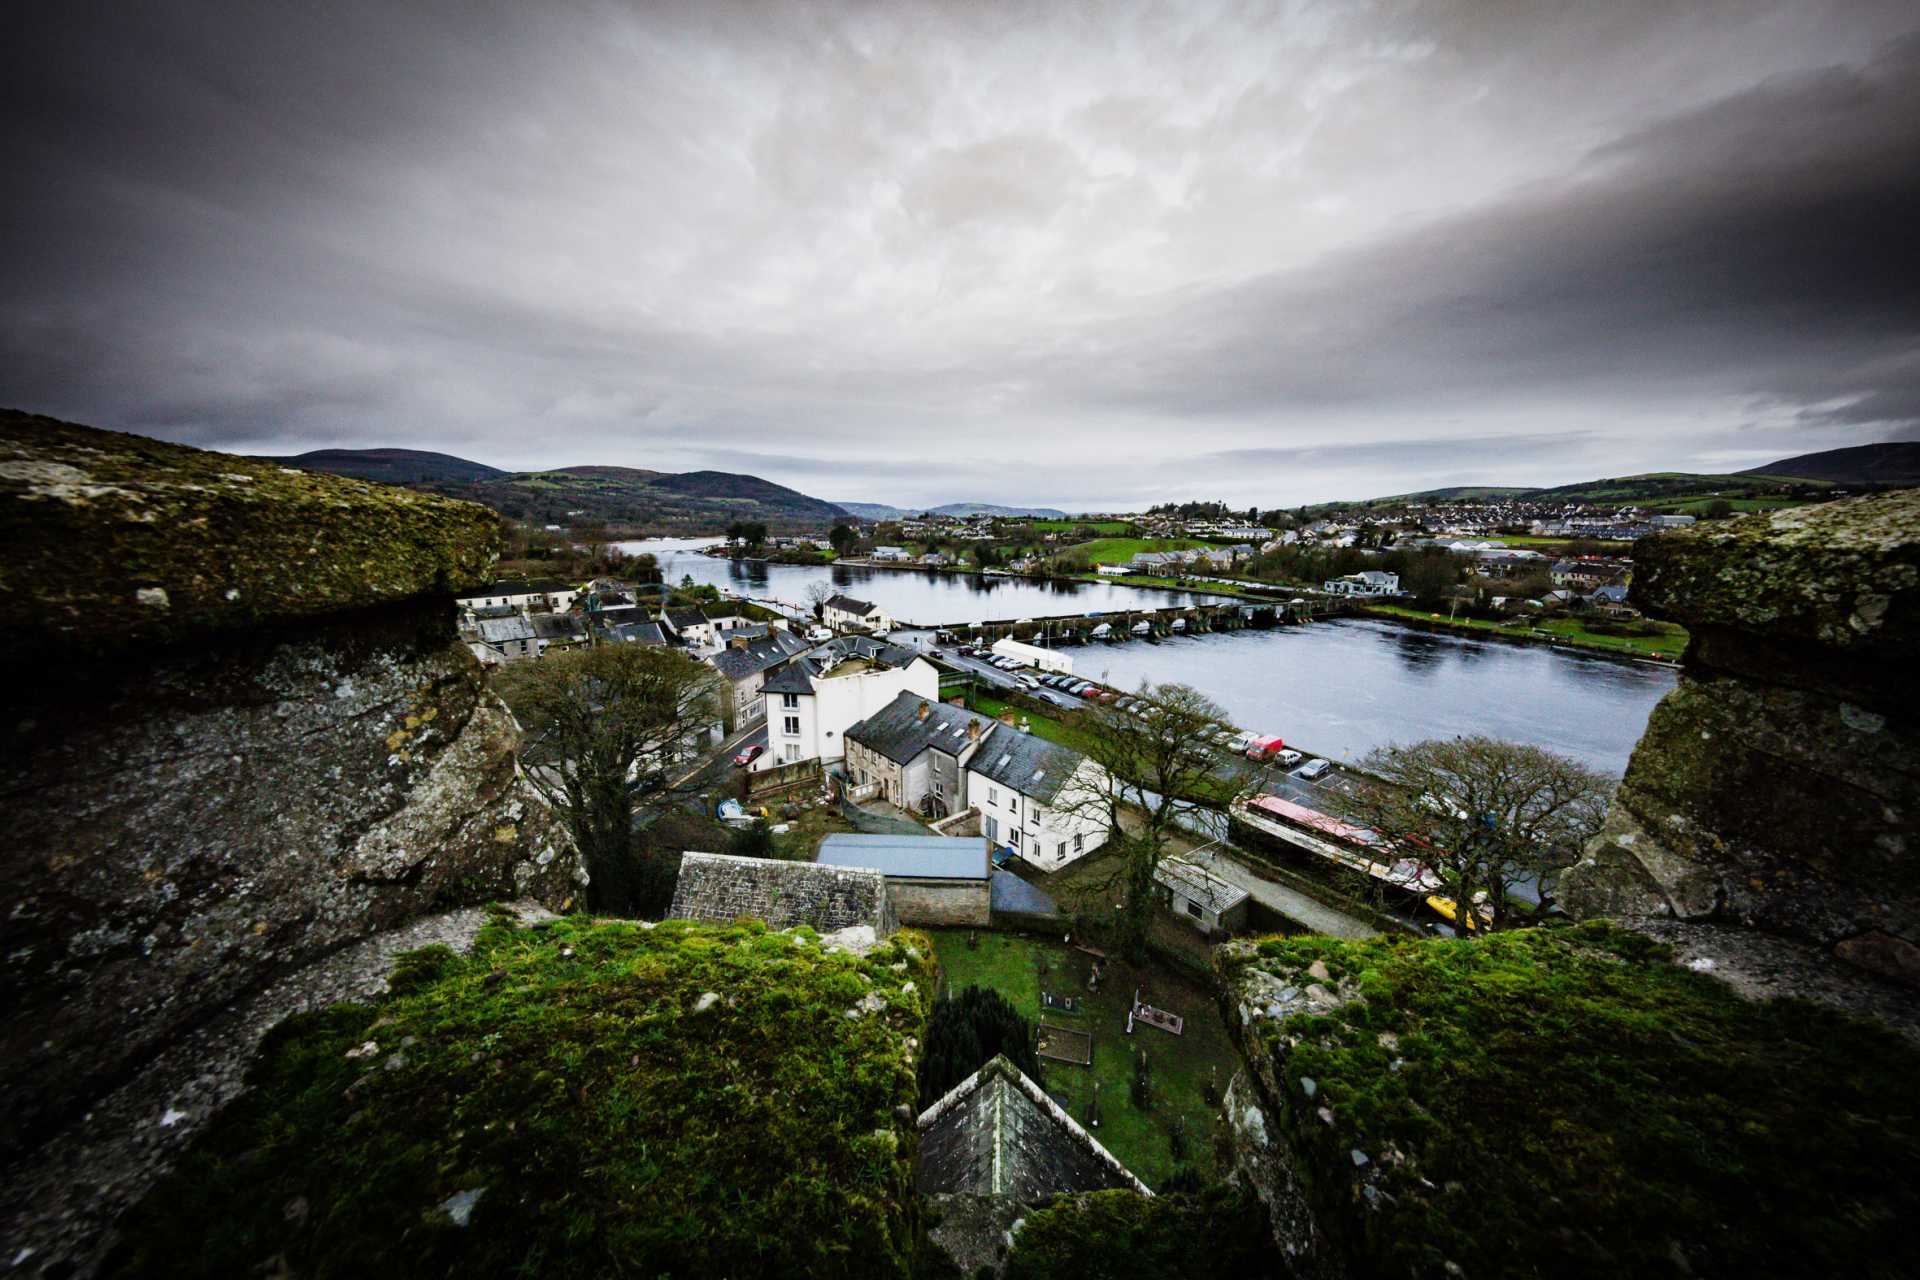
x=589, y=1099
x=1566, y=1102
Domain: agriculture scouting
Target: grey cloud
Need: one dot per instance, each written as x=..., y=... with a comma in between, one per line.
x=1088, y=253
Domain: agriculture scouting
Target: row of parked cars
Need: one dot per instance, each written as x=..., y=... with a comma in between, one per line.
x=1254, y=746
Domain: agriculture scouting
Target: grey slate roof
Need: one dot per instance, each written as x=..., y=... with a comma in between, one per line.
x=1028, y=764
x=998, y=1134
x=757, y=655
x=849, y=605
x=1199, y=884
x=906, y=857
x=720, y=888
x=504, y=630
x=798, y=676
x=559, y=626
x=641, y=633
x=681, y=619
x=897, y=732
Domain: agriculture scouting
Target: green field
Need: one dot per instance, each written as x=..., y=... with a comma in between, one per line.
x=1181, y=1067
x=1105, y=528
x=1670, y=642
x=1121, y=550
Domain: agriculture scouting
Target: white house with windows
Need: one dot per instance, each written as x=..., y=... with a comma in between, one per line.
x=1037, y=798
x=1371, y=582
x=541, y=593
x=816, y=698
x=844, y=613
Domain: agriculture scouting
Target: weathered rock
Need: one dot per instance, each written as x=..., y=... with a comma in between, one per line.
x=1778, y=786
x=291, y=753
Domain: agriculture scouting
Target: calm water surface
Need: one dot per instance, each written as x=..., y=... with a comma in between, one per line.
x=1339, y=688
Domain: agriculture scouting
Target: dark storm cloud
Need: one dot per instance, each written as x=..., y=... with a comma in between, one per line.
x=1765, y=245
x=1040, y=252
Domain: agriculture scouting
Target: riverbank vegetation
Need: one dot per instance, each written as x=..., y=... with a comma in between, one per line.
x=1635, y=637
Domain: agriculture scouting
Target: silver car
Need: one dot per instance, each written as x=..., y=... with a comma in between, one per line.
x=1312, y=769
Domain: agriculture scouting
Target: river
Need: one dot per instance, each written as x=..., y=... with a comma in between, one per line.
x=1339, y=688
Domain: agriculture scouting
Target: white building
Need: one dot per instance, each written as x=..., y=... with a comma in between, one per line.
x=1037, y=798
x=1034, y=656
x=844, y=613
x=748, y=663
x=890, y=553
x=816, y=698
x=541, y=593
x=1370, y=582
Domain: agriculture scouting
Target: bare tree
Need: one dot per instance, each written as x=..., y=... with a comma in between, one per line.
x=602, y=728
x=1158, y=770
x=818, y=594
x=1485, y=816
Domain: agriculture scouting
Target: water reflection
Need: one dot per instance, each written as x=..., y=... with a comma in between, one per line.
x=1339, y=688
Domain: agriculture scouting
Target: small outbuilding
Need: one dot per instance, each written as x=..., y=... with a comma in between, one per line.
x=931, y=880
x=1201, y=898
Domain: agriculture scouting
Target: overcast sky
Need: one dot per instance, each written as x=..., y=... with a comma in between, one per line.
x=1083, y=255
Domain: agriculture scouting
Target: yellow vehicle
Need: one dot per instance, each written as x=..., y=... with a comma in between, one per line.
x=1449, y=910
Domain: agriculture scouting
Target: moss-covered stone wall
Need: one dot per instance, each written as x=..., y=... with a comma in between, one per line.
x=242, y=732
x=586, y=1099
x=1778, y=786
x=1561, y=1102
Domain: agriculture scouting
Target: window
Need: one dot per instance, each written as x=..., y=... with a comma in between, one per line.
x=1013, y=805
x=1013, y=837
x=790, y=726
x=939, y=789
x=1193, y=909
x=993, y=796
x=993, y=828
x=789, y=700
x=1079, y=843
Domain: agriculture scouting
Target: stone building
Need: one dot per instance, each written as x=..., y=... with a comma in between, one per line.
x=914, y=752
x=721, y=888
x=931, y=880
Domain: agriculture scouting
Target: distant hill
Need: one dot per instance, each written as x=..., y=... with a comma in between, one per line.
x=1892, y=462
x=881, y=511
x=692, y=501
x=1659, y=490
x=388, y=466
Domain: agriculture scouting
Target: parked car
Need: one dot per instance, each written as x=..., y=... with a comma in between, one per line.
x=1312, y=769
x=1289, y=758
x=751, y=754
x=1026, y=681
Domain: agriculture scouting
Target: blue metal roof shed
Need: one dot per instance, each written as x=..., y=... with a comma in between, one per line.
x=910, y=857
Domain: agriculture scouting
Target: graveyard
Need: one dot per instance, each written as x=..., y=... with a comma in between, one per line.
x=1047, y=981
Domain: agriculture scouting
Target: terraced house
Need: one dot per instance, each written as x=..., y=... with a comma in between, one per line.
x=1036, y=798
x=746, y=663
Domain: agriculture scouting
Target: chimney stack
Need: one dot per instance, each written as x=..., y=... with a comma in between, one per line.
x=973, y=731
x=738, y=642
x=926, y=709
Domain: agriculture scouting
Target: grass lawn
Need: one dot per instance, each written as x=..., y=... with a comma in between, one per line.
x=1105, y=528
x=1043, y=726
x=1181, y=1066
x=1669, y=642
x=1121, y=550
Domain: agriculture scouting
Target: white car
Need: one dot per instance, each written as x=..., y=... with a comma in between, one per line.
x=1312, y=769
x=1026, y=681
x=1289, y=758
